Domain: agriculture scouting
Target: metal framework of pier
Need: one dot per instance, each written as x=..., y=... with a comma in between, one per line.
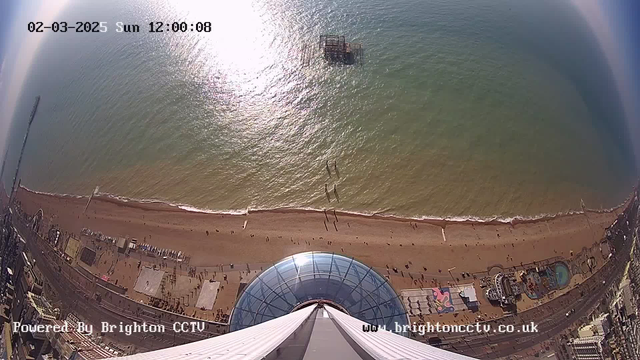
x=335, y=50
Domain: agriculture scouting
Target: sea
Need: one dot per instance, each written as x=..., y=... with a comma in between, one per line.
x=460, y=109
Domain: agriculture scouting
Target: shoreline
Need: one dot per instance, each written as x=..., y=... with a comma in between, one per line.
x=266, y=236
x=414, y=253
x=161, y=205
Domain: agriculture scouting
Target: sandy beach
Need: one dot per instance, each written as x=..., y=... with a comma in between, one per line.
x=421, y=252
x=211, y=239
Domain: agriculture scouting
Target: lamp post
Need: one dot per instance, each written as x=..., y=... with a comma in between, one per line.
x=4, y=162
x=24, y=144
x=452, y=278
x=7, y=232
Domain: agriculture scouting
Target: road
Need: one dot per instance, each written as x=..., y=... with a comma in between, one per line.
x=550, y=318
x=75, y=299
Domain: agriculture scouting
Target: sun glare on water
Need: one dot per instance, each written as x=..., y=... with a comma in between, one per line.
x=243, y=62
x=237, y=47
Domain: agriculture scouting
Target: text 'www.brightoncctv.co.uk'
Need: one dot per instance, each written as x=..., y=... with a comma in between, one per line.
x=437, y=328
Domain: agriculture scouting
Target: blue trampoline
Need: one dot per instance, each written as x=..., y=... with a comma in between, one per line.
x=563, y=276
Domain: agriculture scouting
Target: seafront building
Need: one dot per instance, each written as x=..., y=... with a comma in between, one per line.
x=592, y=342
x=75, y=345
x=589, y=348
x=626, y=324
x=634, y=276
x=625, y=309
x=35, y=310
x=32, y=309
x=615, y=334
x=28, y=306
x=600, y=326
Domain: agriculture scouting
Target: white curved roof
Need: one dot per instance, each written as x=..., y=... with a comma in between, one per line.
x=250, y=343
x=329, y=334
x=387, y=345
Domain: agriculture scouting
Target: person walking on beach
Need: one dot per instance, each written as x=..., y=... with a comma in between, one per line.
x=327, y=165
x=335, y=192
x=335, y=168
x=326, y=192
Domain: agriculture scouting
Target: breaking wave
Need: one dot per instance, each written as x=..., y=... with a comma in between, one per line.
x=383, y=213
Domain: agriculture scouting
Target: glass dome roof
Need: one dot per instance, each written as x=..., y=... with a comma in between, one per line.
x=310, y=276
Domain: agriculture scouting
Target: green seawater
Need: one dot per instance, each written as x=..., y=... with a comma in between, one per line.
x=462, y=108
